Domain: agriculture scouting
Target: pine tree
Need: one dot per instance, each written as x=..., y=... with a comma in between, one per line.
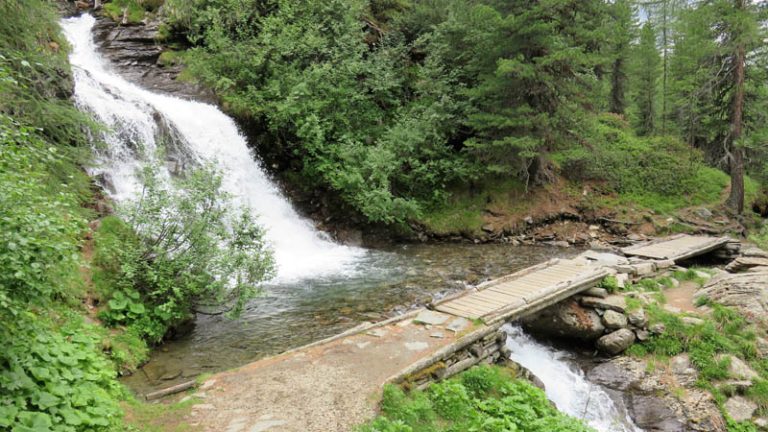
x=622, y=30
x=647, y=61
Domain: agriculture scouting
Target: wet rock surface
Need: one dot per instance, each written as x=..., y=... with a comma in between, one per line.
x=134, y=52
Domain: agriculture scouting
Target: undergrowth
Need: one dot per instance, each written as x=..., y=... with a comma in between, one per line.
x=484, y=398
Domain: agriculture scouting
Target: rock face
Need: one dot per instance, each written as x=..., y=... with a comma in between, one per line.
x=746, y=262
x=566, y=319
x=616, y=342
x=739, y=408
x=134, y=52
x=646, y=394
x=747, y=292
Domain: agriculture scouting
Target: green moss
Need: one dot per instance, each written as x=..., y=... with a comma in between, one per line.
x=170, y=58
x=136, y=9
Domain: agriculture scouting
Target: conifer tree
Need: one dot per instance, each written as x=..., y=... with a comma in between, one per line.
x=647, y=62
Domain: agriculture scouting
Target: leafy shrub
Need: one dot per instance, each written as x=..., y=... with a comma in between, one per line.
x=610, y=283
x=182, y=249
x=483, y=398
x=55, y=379
x=39, y=228
x=632, y=164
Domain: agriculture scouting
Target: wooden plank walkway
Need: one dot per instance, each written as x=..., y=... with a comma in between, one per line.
x=524, y=292
x=676, y=248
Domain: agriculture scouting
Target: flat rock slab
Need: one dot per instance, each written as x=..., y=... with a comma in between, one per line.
x=458, y=325
x=612, y=302
x=739, y=408
x=431, y=317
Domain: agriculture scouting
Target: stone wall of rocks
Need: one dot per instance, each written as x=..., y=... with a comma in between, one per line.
x=485, y=349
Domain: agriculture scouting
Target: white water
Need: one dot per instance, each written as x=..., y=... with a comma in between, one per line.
x=203, y=134
x=566, y=385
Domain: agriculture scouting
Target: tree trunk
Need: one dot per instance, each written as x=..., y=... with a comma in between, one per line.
x=736, y=199
x=665, y=43
x=618, y=84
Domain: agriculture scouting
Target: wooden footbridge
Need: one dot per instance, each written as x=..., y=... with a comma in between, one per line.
x=534, y=288
x=676, y=248
x=524, y=292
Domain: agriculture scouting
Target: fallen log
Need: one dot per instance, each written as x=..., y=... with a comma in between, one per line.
x=178, y=388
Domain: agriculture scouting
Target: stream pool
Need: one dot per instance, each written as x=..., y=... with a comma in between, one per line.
x=290, y=314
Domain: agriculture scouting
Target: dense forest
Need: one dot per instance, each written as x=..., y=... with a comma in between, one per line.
x=397, y=105
x=413, y=114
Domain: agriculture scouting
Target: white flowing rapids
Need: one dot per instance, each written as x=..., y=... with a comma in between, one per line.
x=141, y=122
x=566, y=385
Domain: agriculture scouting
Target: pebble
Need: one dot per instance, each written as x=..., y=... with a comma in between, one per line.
x=416, y=346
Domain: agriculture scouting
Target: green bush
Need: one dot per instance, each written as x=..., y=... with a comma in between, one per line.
x=40, y=223
x=610, y=283
x=632, y=164
x=182, y=249
x=53, y=377
x=483, y=398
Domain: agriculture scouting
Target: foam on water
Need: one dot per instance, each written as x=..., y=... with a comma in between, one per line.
x=138, y=118
x=566, y=385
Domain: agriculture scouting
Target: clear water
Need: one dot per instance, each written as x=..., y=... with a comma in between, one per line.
x=566, y=385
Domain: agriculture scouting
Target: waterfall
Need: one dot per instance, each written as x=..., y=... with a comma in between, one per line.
x=566, y=385
x=142, y=124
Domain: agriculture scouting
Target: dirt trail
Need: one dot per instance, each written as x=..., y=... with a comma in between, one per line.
x=681, y=296
x=327, y=388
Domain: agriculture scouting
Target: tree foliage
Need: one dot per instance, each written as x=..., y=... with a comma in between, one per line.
x=182, y=249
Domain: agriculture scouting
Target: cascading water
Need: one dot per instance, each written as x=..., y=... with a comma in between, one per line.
x=566, y=385
x=141, y=123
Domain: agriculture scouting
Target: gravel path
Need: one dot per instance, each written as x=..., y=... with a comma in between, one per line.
x=327, y=388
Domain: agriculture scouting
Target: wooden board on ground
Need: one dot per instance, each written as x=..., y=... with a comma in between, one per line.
x=525, y=291
x=676, y=248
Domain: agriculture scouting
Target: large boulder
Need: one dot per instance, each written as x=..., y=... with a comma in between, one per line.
x=747, y=292
x=616, y=342
x=566, y=319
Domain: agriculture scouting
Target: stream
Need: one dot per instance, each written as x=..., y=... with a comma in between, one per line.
x=322, y=288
